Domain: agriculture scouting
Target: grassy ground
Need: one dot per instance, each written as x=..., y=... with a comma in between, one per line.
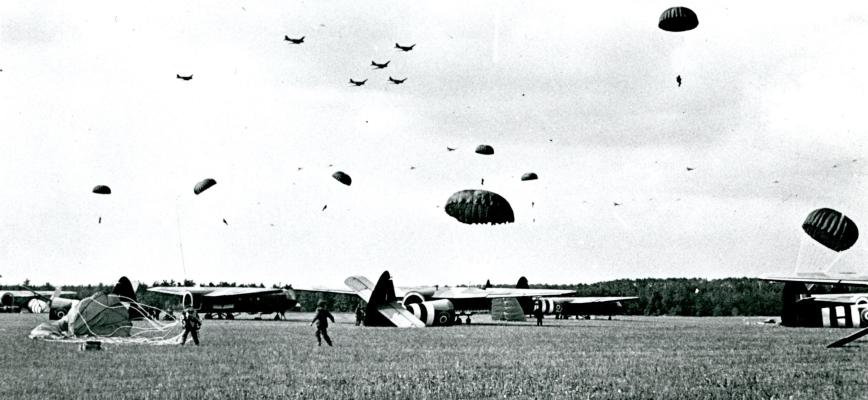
x=632, y=357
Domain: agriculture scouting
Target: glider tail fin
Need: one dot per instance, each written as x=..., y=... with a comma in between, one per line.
x=126, y=291
x=383, y=307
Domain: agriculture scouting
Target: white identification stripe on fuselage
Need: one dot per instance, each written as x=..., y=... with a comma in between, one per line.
x=855, y=315
x=827, y=320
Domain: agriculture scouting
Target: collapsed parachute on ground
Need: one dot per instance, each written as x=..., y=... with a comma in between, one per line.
x=102, y=189
x=343, y=178
x=530, y=176
x=479, y=207
x=203, y=185
x=484, y=149
x=831, y=229
x=678, y=19
x=98, y=315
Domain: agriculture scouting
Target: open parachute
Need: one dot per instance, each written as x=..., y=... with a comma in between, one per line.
x=831, y=228
x=678, y=19
x=479, y=207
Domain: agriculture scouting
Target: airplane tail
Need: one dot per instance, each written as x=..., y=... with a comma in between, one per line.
x=525, y=302
x=125, y=290
x=383, y=308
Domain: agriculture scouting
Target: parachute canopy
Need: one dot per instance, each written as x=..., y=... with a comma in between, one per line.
x=530, y=176
x=99, y=315
x=678, y=19
x=479, y=207
x=204, y=185
x=485, y=149
x=831, y=229
x=102, y=189
x=343, y=178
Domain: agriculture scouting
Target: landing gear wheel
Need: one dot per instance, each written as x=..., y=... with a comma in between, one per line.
x=230, y=316
x=457, y=320
x=468, y=320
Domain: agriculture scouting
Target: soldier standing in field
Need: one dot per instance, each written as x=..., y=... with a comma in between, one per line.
x=360, y=314
x=191, y=324
x=322, y=324
x=538, y=313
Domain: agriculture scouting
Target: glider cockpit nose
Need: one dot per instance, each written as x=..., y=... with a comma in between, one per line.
x=6, y=299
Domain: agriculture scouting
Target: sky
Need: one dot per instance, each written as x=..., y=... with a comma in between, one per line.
x=770, y=116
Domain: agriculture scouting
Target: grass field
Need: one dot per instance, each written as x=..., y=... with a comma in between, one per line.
x=628, y=358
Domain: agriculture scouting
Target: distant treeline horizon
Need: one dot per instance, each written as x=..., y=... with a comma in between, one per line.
x=657, y=296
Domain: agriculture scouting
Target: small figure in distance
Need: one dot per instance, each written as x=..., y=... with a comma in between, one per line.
x=405, y=48
x=357, y=83
x=191, y=323
x=322, y=324
x=678, y=79
x=293, y=41
x=360, y=314
x=538, y=314
x=377, y=65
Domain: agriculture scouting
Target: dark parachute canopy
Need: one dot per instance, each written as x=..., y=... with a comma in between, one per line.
x=343, y=178
x=102, y=189
x=831, y=229
x=204, y=185
x=479, y=207
x=100, y=315
x=678, y=19
x=485, y=149
x=530, y=176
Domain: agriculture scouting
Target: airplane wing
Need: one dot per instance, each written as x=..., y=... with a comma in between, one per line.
x=842, y=298
x=323, y=289
x=511, y=292
x=213, y=291
x=590, y=300
x=43, y=294
x=819, y=277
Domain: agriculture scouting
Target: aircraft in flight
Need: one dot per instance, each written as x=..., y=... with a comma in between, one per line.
x=35, y=301
x=406, y=307
x=844, y=310
x=225, y=301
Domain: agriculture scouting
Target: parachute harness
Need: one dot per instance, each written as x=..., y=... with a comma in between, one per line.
x=155, y=332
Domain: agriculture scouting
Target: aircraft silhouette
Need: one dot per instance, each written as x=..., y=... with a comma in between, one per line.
x=294, y=41
x=397, y=81
x=405, y=48
x=184, y=78
x=616, y=204
x=450, y=148
x=690, y=169
x=358, y=83
x=380, y=66
x=224, y=221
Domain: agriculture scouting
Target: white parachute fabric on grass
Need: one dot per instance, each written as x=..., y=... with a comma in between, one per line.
x=107, y=317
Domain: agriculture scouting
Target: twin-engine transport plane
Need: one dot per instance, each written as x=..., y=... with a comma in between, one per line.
x=432, y=305
x=224, y=301
x=845, y=310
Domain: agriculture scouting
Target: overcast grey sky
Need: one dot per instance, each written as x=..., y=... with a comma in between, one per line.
x=771, y=114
